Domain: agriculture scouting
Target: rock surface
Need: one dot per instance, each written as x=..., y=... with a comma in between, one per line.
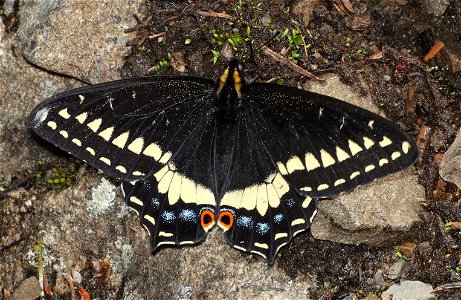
x=94, y=54
x=86, y=42
x=450, y=167
x=409, y=290
x=374, y=214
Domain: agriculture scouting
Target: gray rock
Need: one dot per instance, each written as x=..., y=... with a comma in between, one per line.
x=409, y=290
x=84, y=41
x=435, y=7
x=29, y=289
x=377, y=213
x=398, y=269
x=450, y=167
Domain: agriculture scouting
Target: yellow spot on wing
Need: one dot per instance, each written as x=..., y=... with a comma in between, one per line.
x=121, y=140
x=82, y=117
x=306, y=202
x=322, y=187
x=149, y=218
x=165, y=234
x=368, y=142
x=341, y=154
x=136, y=145
x=52, y=125
x=77, y=142
x=64, y=133
x=94, y=125
x=395, y=155
x=121, y=169
x=261, y=245
x=339, y=181
x=107, y=133
x=63, y=113
x=136, y=200
x=153, y=150
x=354, y=147
x=385, y=142
x=369, y=168
x=293, y=164
x=405, y=147
x=298, y=222
x=311, y=162
x=327, y=159
x=280, y=235
x=383, y=161
x=104, y=160
x=90, y=150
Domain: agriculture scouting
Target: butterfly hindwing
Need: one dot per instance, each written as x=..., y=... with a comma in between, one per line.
x=168, y=223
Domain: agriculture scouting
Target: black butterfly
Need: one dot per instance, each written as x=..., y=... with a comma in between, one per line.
x=252, y=158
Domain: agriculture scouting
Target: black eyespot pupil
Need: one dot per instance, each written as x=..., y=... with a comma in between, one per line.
x=207, y=219
x=225, y=220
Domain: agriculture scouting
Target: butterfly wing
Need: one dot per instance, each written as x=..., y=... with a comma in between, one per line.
x=156, y=135
x=324, y=146
x=294, y=148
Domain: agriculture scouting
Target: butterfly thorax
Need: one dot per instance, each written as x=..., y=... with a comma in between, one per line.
x=229, y=89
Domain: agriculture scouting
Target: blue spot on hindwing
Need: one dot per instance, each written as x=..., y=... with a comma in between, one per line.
x=188, y=215
x=155, y=202
x=168, y=216
x=245, y=221
x=278, y=218
x=262, y=228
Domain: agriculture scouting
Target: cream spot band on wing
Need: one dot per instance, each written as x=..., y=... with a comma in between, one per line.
x=341, y=154
x=258, y=196
x=327, y=159
x=136, y=201
x=107, y=133
x=293, y=164
x=367, y=142
x=136, y=145
x=354, y=147
x=64, y=134
x=52, y=125
x=311, y=162
x=153, y=150
x=121, y=140
x=63, y=113
x=178, y=186
x=94, y=125
x=385, y=142
x=81, y=118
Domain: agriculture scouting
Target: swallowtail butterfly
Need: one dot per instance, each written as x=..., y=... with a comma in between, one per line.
x=252, y=158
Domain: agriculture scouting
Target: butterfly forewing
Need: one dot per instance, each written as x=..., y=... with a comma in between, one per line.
x=324, y=146
x=128, y=128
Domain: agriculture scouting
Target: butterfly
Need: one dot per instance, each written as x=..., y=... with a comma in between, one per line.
x=252, y=158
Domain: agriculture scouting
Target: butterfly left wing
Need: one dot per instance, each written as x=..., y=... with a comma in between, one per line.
x=153, y=133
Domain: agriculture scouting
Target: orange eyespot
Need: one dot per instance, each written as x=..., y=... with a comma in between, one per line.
x=207, y=219
x=226, y=220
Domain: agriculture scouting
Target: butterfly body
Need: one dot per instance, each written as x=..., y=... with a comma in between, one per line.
x=251, y=158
